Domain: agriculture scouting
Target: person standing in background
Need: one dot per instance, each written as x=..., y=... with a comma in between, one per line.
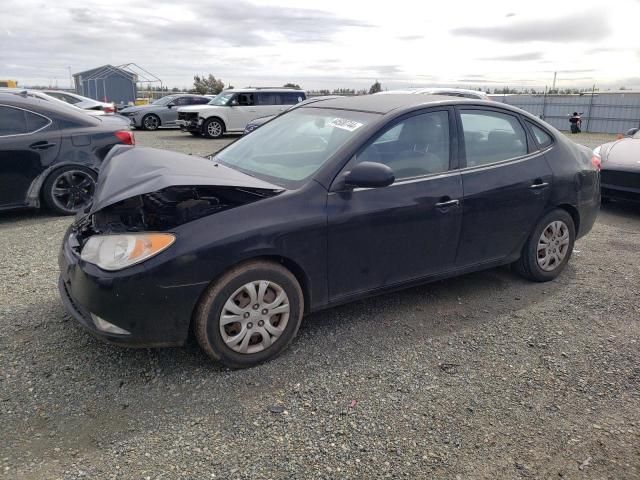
x=576, y=122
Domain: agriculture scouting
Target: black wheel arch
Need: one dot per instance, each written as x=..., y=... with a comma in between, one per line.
x=296, y=270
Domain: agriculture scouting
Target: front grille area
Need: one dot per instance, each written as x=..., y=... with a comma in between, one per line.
x=189, y=116
x=620, y=179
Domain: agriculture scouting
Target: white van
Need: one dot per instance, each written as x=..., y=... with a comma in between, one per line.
x=231, y=110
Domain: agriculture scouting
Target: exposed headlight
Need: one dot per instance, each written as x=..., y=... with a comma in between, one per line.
x=115, y=252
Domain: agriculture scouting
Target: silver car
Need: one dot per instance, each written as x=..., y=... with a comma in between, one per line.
x=161, y=113
x=80, y=101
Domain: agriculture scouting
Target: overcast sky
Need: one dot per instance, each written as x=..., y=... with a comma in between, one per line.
x=328, y=44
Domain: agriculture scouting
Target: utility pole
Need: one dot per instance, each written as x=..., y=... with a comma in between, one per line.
x=70, y=78
x=553, y=87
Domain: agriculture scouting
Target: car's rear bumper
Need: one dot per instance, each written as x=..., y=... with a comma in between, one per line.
x=133, y=299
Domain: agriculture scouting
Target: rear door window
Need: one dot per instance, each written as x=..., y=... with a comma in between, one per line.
x=199, y=101
x=13, y=121
x=181, y=101
x=491, y=136
x=269, y=98
x=542, y=138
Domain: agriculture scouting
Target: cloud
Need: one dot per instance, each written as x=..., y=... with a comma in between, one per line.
x=410, y=37
x=564, y=29
x=518, y=57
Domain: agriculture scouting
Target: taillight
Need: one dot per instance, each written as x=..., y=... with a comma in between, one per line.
x=108, y=109
x=126, y=137
x=596, y=162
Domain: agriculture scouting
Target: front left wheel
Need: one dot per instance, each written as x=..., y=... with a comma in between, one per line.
x=250, y=315
x=150, y=122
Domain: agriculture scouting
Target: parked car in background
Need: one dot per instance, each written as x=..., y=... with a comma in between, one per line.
x=257, y=122
x=232, y=109
x=332, y=202
x=80, y=101
x=162, y=112
x=49, y=153
x=112, y=118
x=449, y=92
x=620, y=173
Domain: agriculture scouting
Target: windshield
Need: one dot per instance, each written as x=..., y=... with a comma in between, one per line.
x=164, y=100
x=292, y=147
x=221, y=99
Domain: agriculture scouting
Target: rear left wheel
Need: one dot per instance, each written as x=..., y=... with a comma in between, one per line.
x=548, y=249
x=69, y=189
x=250, y=315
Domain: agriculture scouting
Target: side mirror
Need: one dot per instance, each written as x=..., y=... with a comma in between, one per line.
x=171, y=105
x=369, y=175
x=233, y=102
x=631, y=132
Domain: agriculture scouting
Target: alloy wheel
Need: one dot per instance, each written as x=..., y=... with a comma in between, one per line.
x=151, y=122
x=214, y=129
x=254, y=316
x=553, y=246
x=73, y=190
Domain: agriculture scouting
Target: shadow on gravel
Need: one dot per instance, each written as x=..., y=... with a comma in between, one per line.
x=429, y=310
x=29, y=214
x=614, y=211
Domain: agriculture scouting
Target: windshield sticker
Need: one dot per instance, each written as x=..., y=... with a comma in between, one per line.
x=345, y=124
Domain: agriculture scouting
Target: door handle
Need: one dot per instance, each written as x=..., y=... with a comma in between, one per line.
x=43, y=145
x=539, y=185
x=448, y=203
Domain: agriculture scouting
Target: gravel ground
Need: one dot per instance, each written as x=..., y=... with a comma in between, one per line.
x=481, y=376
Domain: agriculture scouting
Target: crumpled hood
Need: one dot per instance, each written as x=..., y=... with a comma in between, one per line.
x=129, y=171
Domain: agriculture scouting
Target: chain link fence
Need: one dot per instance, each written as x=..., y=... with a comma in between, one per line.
x=601, y=112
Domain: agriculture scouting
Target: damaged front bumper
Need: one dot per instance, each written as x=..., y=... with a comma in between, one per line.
x=145, y=190
x=141, y=301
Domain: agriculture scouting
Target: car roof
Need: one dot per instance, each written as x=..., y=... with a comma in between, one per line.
x=39, y=105
x=386, y=103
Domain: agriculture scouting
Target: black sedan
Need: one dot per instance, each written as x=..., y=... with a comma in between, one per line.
x=332, y=202
x=620, y=175
x=51, y=153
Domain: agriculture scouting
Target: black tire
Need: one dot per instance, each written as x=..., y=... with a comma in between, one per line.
x=150, y=122
x=80, y=182
x=528, y=265
x=208, y=313
x=213, y=128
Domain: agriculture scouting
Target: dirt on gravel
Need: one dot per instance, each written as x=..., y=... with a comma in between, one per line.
x=481, y=376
